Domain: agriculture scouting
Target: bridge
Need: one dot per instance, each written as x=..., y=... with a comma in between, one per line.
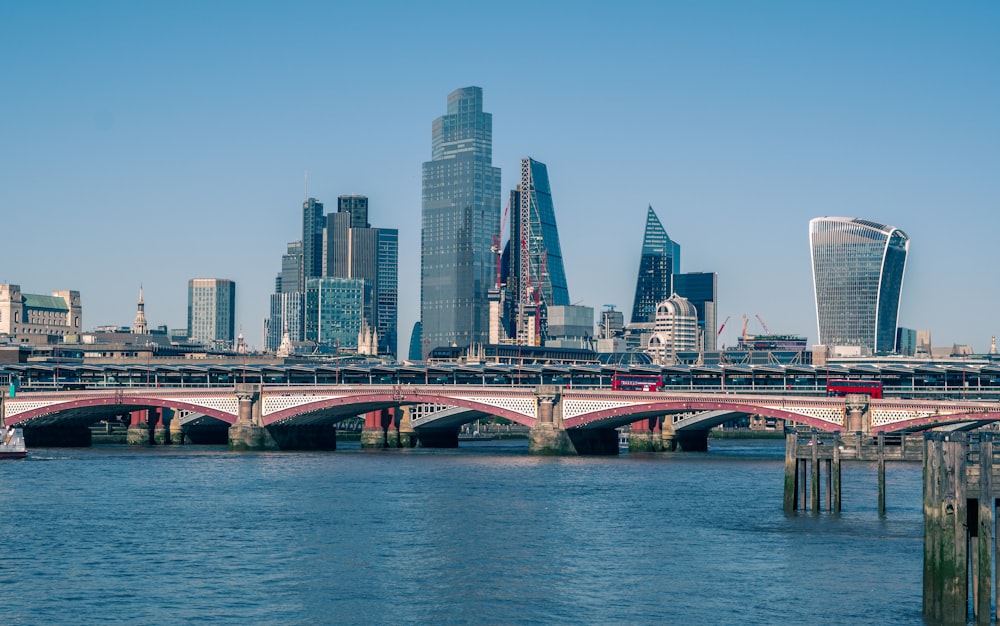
x=559, y=420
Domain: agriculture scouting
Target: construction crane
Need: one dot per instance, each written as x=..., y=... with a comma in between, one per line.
x=723, y=324
x=762, y=324
x=744, y=333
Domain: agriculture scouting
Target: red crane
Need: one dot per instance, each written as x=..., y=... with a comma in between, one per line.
x=762, y=324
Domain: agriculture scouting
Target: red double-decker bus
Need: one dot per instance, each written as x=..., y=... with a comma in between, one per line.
x=636, y=382
x=842, y=387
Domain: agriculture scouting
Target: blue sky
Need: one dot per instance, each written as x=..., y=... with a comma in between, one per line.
x=155, y=142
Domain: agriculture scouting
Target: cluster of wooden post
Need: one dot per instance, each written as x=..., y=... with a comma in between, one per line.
x=959, y=526
x=803, y=463
x=802, y=473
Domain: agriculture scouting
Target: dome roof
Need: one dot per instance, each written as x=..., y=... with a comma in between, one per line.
x=676, y=306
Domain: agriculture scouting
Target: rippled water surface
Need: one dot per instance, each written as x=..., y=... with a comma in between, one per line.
x=483, y=534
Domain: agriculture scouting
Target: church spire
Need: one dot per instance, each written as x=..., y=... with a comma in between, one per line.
x=139, y=326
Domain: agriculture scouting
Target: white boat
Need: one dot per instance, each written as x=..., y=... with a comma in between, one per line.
x=12, y=444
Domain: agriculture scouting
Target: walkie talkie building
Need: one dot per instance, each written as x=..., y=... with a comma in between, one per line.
x=858, y=268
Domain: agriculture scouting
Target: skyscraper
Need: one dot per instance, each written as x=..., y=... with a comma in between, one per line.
x=858, y=270
x=337, y=309
x=212, y=311
x=313, y=221
x=701, y=290
x=661, y=259
x=460, y=216
x=535, y=255
x=353, y=249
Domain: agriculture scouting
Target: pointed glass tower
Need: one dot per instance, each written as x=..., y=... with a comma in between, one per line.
x=661, y=259
x=538, y=243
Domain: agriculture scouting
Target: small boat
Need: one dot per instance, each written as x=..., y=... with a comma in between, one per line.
x=12, y=443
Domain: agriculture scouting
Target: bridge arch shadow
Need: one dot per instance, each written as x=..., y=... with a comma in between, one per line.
x=331, y=410
x=708, y=415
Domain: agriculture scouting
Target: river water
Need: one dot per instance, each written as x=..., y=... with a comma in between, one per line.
x=482, y=534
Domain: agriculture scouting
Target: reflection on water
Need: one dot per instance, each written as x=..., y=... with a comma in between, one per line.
x=484, y=533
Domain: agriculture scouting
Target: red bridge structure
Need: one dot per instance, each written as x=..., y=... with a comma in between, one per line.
x=559, y=420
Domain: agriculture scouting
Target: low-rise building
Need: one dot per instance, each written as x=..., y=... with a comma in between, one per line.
x=27, y=318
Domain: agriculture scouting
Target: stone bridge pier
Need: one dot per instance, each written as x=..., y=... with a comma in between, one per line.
x=549, y=435
x=249, y=433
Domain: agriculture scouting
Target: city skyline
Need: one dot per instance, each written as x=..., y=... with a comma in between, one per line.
x=128, y=156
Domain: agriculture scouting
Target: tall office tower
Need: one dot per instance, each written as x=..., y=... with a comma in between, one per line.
x=291, y=269
x=212, y=311
x=661, y=259
x=460, y=217
x=313, y=221
x=535, y=257
x=286, y=283
x=287, y=316
x=337, y=310
x=858, y=270
x=357, y=207
x=353, y=249
x=701, y=290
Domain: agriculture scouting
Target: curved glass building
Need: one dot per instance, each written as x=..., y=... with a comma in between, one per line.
x=857, y=276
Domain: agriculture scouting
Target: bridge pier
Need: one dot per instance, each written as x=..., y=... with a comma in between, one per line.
x=548, y=435
x=160, y=435
x=375, y=433
x=407, y=438
x=176, y=431
x=247, y=433
x=138, y=429
x=645, y=436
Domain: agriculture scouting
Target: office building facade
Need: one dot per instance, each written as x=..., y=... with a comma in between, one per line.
x=535, y=255
x=211, y=314
x=336, y=310
x=36, y=319
x=675, y=330
x=701, y=290
x=460, y=217
x=660, y=260
x=858, y=268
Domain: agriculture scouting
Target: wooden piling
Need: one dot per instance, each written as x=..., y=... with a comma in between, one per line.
x=881, y=474
x=829, y=484
x=933, y=480
x=805, y=484
x=946, y=536
x=984, y=544
x=791, y=472
x=836, y=477
x=814, y=478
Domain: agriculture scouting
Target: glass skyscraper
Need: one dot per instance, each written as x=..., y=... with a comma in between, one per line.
x=858, y=270
x=313, y=221
x=460, y=216
x=541, y=238
x=701, y=290
x=661, y=259
x=211, y=314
